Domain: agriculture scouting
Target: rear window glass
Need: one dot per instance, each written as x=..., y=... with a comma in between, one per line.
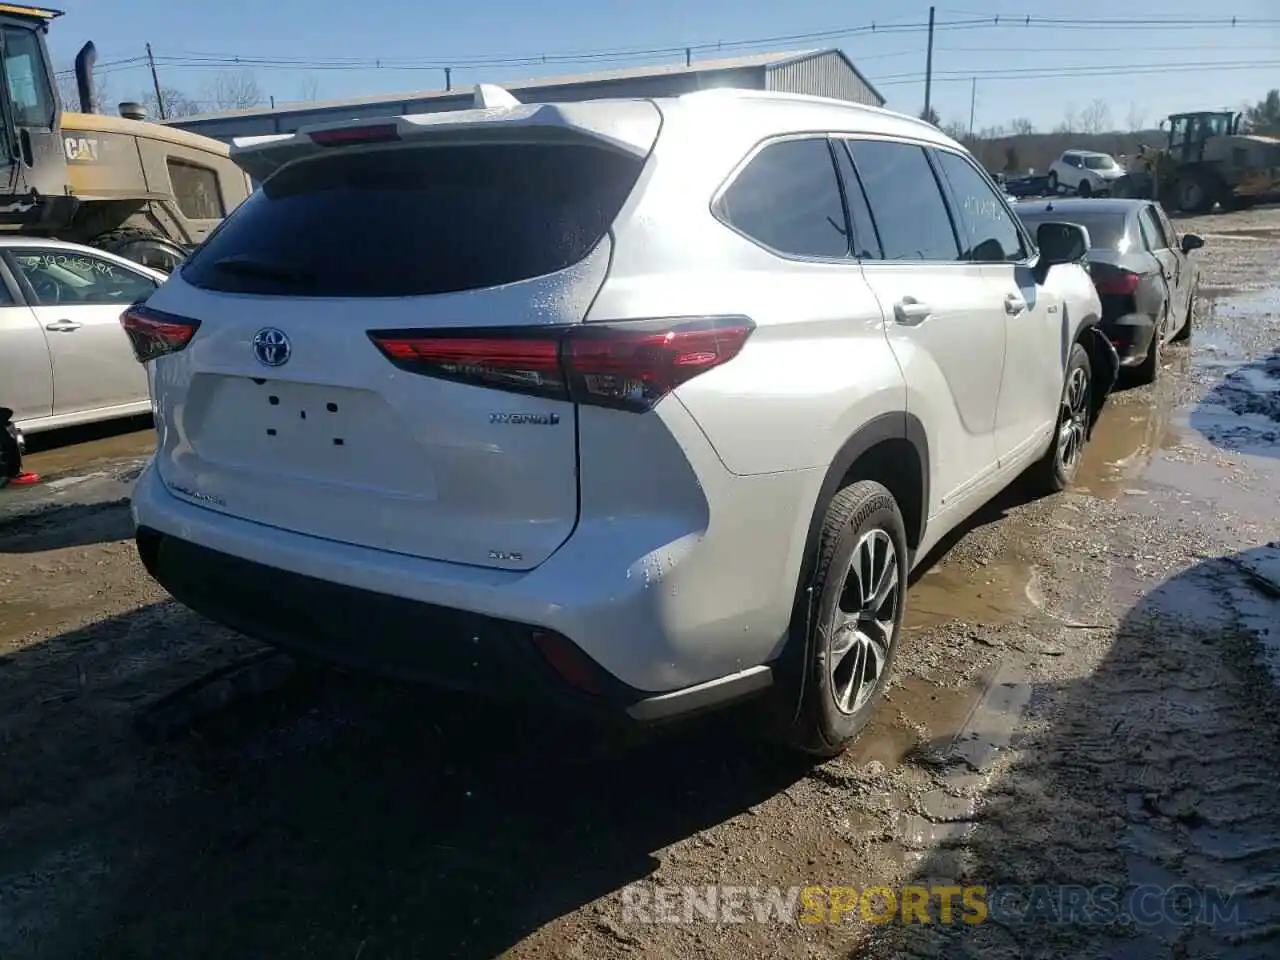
x=415, y=221
x=1106, y=230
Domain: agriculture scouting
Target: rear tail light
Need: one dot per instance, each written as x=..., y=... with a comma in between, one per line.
x=155, y=333
x=343, y=136
x=1120, y=284
x=627, y=366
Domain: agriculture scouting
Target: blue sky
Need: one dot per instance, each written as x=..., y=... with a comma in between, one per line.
x=1075, y=64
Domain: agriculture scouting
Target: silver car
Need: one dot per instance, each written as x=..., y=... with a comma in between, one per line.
x=643, y=406
x=63, y=358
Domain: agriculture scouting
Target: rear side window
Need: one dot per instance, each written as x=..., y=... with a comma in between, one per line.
x=990, y=231
x=906, y=201
x=788, y=199
x=415, y=221
x=196, y=190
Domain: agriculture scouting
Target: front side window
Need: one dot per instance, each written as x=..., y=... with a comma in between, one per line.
x=196, y=190
x=990, y=231
x=68, y=278
x=911, y=217
x=787, y=198
x=28, y=80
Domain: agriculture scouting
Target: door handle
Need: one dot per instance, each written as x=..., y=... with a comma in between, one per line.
x=63, y=326
x=911, y=311
x=1014, y=304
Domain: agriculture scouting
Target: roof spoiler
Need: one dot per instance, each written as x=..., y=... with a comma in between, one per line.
x=492, y=95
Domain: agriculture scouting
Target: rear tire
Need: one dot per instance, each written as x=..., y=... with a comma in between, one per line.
x=1053, y=182
x=1149, y=369
x=856, y=596
x=142, y=246
x=1184, y=334
x=1061, y=462
x=1195, y=194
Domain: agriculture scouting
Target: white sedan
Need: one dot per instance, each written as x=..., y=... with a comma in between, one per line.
x=1084, y=172
x=64, y=358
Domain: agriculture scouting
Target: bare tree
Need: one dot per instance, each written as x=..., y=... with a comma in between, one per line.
x=69, y=93
x=1070, y=120
x=931, y=116
x=1265, y=114
x=1096, y=118
x=1021, y=127
x=1135, y=118
x=234, y=90
x=176, y=104
x=309, y=90
x=956, y=131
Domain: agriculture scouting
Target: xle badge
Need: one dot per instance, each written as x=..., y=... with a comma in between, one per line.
x=534, y=419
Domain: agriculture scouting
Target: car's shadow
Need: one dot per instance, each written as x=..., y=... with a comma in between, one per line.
x=1241, y=413
x=1157, y=768
x=66, y=525
x=327, y=811
x=273, y=809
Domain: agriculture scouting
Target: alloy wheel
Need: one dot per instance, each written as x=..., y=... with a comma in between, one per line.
x=865, y=619
x=1073, y=422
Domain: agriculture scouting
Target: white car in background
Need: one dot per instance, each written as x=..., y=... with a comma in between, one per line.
x=64, y=359
x=1084, y=172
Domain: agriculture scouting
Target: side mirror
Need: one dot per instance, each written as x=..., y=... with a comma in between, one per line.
x=1060, y=243
x=1191, y=241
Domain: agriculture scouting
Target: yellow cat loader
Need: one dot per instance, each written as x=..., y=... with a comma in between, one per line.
x=141, y=190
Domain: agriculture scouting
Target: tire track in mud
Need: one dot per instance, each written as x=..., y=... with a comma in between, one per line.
x=1150, y=756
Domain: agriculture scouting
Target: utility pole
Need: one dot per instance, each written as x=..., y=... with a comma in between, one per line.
x=448, y=78
x=155, y=79
x=973, y=102
x=928, y=70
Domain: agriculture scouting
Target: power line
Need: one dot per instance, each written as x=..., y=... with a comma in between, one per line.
x=975, y=22
x=1065, y=73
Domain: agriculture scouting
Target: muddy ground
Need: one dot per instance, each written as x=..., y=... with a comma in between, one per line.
x=1086, y=695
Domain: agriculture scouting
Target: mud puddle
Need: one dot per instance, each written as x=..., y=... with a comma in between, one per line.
x=912, y=714
x=1129, y=434
x=67, y=454
x=992, y=594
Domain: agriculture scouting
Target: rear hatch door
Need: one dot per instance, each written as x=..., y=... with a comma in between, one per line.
x=283, y=411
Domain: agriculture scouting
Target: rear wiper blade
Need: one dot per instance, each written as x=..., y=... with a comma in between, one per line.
x=248, y=267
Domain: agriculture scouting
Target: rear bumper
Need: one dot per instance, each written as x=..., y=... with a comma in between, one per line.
x=579, y=630
x=1131, y=336
x=408, y=640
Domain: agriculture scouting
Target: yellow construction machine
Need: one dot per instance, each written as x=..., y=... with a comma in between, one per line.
x=142, y=190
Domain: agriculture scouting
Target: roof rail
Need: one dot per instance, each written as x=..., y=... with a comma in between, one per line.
x=492, y=95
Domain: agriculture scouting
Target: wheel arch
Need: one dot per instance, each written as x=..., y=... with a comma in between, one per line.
x=1103, y=361
x=892, y=449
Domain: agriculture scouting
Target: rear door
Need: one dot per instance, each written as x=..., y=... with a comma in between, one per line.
x=283, y=411
x=78, y=298
x=946, y=322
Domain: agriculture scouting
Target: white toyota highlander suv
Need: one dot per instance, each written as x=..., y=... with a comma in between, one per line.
x=640, y=405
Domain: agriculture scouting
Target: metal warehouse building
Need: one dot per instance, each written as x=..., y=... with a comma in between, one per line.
x=827, y=73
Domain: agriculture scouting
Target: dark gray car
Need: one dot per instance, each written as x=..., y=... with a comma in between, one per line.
x=1146, y=279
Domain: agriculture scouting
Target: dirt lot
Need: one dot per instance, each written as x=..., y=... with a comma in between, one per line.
x=1086, y=695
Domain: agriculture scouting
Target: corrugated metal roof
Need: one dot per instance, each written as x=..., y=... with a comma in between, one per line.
x=660, y=70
